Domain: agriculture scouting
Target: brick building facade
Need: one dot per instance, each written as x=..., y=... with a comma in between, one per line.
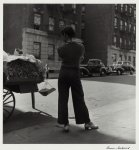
x=109, y=32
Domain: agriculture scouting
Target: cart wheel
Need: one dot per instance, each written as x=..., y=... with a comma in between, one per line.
x=8, y=104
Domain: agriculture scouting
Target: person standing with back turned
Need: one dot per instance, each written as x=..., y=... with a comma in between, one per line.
x=71, y=54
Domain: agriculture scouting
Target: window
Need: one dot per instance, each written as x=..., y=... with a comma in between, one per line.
x=125, y=25
x=120, y=63
x=115, y=22
x=74, y=8
x=51, y=51
x=134, y=13
x=134, y=61
x=73, y=26
x=121, y=24
x=129, y=27
x=116, y=6
x=130, y=10
x=83, y=25
x=125, y=63
x=129, y=58
x=114, y=40
x=37, y=21
x=62, y=5
x=134, y=45
x=134, y=29
x=125, y=57
x=51, y=23
x=114, y=57
x=125, y=43
x=129, y=43
x=83, y=9
x=122, y=7
x=61, y=24
x=121, y=40
x=120, y=57
x=36, y=49
x=125, y=8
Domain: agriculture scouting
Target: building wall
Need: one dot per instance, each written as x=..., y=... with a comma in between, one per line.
x=97, y=30
x=125, y=56
x=100, y=30
x=12, y=27
x=21, y=32
x=29, y=37
x=122, y=49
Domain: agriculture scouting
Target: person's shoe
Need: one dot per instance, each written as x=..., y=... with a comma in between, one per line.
x=60, y=125
x=90, y=126
x=66, y=128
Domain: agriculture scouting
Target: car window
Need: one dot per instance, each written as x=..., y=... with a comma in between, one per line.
x=120, y=63
x=128, y=63
x=91, y=63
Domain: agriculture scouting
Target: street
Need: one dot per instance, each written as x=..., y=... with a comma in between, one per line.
x=111, y=104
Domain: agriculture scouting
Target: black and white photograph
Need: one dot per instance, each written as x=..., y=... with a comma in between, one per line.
x=69, y=74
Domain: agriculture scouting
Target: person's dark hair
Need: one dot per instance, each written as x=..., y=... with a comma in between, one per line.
x=68, y=31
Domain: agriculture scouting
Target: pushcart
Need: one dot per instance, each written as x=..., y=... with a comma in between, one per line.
x=18, y=86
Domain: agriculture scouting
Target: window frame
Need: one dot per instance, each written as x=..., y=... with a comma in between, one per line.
x=121, y=24
x=51, y=23
x=115, y=22
x=37, y=16
x=37, y=55
x=83, y=9
x=122, y=7
x=61, y=21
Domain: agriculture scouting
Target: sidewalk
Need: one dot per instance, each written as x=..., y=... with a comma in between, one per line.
x=53, y=75
x=116, y=119
x=43, y=130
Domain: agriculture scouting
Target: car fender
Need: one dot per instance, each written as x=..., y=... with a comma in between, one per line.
x=103, y=68
x=121, y=69
x=84, y=69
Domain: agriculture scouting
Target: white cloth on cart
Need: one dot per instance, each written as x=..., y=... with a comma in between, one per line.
x=9, y=58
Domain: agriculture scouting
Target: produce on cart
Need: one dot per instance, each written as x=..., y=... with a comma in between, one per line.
x=23, y=69
x=21, y=74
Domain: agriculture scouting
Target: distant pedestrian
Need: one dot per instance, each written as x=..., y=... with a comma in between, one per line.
x=47, y=71
x=71, y=54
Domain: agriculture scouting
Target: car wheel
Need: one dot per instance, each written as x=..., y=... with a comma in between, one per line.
x=81, y=73
x=102, y=73
x=131, y=72
x=119, y=72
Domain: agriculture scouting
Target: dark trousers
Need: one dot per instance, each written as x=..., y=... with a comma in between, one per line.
x=70, y=78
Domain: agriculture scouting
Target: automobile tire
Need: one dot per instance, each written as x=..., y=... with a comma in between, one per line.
x=131, y=72
x=81, y=74
x=102, y=73
x=119, y=72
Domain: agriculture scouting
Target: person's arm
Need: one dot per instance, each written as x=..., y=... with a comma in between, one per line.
x=60, y=52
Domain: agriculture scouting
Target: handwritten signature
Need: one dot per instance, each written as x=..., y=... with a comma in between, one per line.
x=118, y=147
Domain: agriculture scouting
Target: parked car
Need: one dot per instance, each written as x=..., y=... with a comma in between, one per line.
x=121, y=67
x=94, y=66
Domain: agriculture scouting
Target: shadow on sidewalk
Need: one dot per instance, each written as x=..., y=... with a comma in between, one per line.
x=20, y=120
x=41, y=129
